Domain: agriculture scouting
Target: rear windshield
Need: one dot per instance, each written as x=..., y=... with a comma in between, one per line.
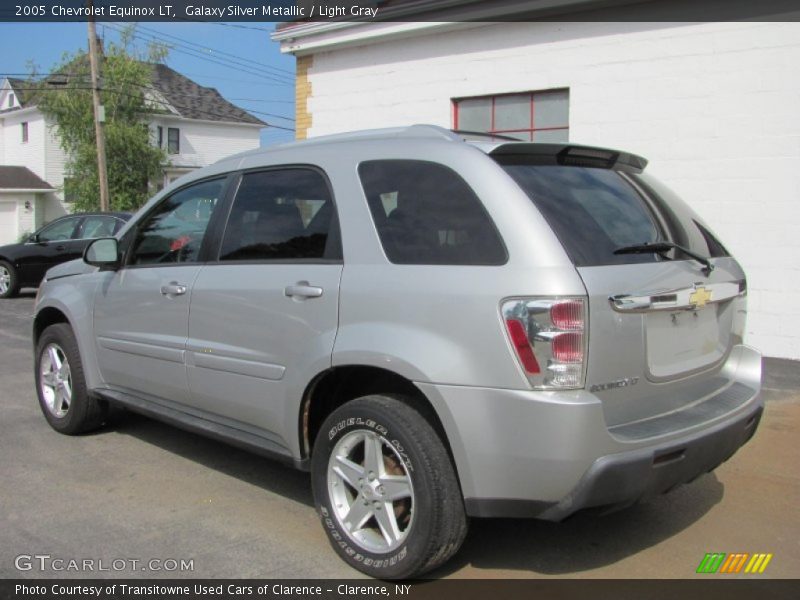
x=596, y=211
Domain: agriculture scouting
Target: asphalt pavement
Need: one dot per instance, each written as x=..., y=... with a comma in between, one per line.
x=143, y=499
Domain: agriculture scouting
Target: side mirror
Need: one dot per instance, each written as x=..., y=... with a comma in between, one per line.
x=102, y=252
x=33, y=238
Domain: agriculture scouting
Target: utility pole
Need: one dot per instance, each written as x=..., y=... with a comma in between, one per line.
x=99, y=112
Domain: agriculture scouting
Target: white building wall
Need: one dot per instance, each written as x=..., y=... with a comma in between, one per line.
x=203, y=143
x=55, y=158
x=714, y=107
x=31, y=153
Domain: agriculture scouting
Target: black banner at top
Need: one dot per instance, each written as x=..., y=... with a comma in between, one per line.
x=300, y=11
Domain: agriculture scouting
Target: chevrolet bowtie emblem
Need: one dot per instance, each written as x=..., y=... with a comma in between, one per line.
x=700, y=297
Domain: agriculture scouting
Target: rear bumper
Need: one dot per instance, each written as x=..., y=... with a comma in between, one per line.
x=551, y=454
x=619, y=480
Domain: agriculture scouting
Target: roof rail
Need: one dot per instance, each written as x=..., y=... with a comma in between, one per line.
x=409, y=131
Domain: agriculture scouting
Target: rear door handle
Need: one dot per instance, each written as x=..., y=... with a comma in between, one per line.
x=173, y=289
x=302, y=289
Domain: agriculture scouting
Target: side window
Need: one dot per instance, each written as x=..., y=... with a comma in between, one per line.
x=282, y=214
x=174, y=232
x=97, y=227
x=425, y=213
x=59, y=231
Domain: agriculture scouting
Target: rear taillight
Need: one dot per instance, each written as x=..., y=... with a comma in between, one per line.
x=548, y=336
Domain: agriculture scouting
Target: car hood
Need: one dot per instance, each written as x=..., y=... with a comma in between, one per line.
x=67, y=269
x=10, y=250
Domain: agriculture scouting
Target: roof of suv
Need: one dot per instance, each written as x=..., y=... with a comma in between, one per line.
x=496, y=145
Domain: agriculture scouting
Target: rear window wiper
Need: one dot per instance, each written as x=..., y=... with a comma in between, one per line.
x=661, y=247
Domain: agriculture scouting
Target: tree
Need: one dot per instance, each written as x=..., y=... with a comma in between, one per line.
x=134, y=161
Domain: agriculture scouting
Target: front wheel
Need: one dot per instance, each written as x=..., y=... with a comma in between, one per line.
x=386, y=489
x=60, y=384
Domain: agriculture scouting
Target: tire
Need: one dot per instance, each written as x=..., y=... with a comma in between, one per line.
x=9, y=281
x=60, y=384
x=428, y=513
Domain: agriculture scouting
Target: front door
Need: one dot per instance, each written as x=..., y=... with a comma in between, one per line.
x=54, y=244
x=141, y=312
x=264, y=315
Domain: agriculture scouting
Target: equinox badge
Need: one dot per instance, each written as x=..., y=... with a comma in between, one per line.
x=627, y=382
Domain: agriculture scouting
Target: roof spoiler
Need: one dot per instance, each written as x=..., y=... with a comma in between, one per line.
x=573, y=155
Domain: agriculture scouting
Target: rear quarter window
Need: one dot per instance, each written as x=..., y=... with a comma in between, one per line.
x=425, y=213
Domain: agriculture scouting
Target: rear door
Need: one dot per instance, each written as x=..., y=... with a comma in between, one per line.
x=264, y=314
x=660, y=326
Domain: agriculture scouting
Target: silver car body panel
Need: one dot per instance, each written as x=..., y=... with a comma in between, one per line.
x=235, y=354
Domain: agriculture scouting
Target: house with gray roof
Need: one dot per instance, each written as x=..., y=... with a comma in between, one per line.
x=194, y=124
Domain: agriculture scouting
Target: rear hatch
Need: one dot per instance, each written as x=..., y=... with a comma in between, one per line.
x=661, y=322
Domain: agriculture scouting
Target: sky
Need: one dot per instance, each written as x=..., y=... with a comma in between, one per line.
x=238, y=59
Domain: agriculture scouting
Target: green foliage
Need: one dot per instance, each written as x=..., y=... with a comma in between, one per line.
x=133, y=160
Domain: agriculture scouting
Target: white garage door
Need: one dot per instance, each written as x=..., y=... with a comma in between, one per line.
x=8, y=222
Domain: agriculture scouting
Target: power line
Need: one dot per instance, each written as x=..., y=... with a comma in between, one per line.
x=154, y=89
x=230, y=64
x=154, y=101
x=206, y=75
x=265, y=100
x=204, y=47
x=195, y=54
x=201, y=48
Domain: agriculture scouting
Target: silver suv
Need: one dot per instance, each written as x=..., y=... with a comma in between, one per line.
x=435, y=328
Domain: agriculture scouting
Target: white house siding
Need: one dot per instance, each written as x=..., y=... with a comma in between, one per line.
x=714, y=107
x=203, y=143
x=55, y=158
x=30, y=154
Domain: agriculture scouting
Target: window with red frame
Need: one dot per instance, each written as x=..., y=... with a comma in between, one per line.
x=531, y=116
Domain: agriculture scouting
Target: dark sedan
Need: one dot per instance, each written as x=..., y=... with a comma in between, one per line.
x=24, y=264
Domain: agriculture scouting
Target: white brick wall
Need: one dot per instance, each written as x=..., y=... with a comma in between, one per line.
x=714, y=106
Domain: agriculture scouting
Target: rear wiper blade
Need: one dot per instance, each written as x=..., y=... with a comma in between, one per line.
x=661, y=247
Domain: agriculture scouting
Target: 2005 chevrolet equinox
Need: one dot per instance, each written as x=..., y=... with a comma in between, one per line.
x=435, y=328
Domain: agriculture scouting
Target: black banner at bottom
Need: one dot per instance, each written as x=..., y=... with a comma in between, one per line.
x=462, y=589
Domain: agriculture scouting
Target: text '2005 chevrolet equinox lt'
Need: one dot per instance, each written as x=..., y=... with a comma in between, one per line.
x=436, y=329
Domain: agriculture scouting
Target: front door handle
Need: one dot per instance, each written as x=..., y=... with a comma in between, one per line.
x=61, y=247
x=173, y=288
x=302, y=289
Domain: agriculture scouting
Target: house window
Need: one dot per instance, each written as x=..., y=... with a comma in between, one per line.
x=532, y=116
x=160, y=136
x=10, y=100
x=24, y=132
x=173, y=140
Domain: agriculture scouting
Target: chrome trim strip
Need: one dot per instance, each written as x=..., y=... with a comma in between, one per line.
x=689, y=298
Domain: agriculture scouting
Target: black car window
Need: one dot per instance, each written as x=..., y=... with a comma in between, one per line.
x=593, y=211
x=426, y=214
x=174, y=231
x=98, y=226
x=282, y=214
x=63, y=229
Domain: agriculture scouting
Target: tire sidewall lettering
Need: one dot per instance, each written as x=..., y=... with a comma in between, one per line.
x=340, y=428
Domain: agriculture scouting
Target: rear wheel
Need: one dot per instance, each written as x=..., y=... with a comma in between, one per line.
x=60, y=384
x=386, y=489
x=9, y=282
